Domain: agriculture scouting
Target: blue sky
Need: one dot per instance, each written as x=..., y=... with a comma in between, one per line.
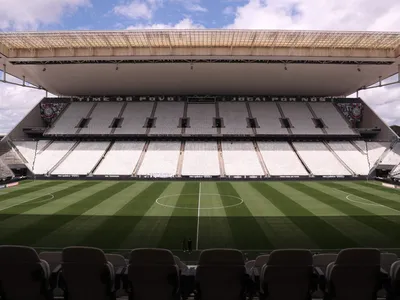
x=46, y=15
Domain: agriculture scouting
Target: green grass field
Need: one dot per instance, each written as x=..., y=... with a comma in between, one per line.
x=251, y=216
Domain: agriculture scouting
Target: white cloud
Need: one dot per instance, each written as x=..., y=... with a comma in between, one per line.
x=29, y=15
x=370, y=15
x=229, y=10
x=319, y=15
x=185, y=23
x=195, y=7
x=15, y=103
x=138, y=9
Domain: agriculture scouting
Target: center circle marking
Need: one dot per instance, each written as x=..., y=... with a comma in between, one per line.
x=240, y=201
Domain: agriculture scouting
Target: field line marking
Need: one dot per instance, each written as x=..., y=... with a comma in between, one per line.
x=198, y=218
x=372, y=203
x=52, y=197
x=201, y=208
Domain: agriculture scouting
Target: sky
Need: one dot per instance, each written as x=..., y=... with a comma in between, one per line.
x=45, y=15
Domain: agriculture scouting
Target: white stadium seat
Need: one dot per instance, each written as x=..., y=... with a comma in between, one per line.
x=319, y=159
x=280, y=159
x=201, y=158
x=161, y=159
x=121, y=159
x=240, y=158
x=201, y=119
x=102, y=117
x=267, y=115
x=374, y=150
x=334, y=121
x=300, y=117
x=235, y=118
x=167, y=118
x=134, y=118
x=70, y=118
x=352, y=157
x=30, y=149
x=82, y=159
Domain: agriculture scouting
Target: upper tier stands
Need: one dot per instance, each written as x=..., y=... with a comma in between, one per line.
x=352, y=157
x=235, y=117
x=69, y=119
x=161, y=159
x=319, y=159
x=240, y=158
x=300, y=118
x=268, y=118
x=167, y=118
x=134, y=118
x=332, y=118
x=201, y=158
x=121, y=159
x=102, y=117
x=281, y=160
x=82, y=159
x=201, y=118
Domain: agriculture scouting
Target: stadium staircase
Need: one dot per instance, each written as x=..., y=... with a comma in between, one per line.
x=87, y=116
x=315, y=116
x=250, y=116
x=185, y=109
x=283, y=117
x=102, y=158
x=121, y=113
x=45, y=147
x=141, y=158
x=300, y=159
x=339, y=159
x=153, y=113
x=261, y=160
x=221, y=160
x=217, y=116
x=357, y=147
x=63, y=158
x=180, y=160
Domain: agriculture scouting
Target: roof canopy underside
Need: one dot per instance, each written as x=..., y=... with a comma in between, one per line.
x=200, y=38
x=176, y=62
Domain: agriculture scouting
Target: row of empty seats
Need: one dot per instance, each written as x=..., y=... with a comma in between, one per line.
x=167, y=116
x=5, y=171
x=162, y=159
x=89, y=273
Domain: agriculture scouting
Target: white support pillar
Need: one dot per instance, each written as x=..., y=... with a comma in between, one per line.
x=4, y=72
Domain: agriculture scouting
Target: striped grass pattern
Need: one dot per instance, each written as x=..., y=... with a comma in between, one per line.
x=245, y=215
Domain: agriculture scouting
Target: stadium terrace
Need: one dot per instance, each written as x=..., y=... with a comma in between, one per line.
x=200, y=142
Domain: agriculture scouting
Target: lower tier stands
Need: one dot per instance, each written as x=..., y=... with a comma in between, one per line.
x=240, y=158
x=393, y=157
x=161, y=159
x=296, y=274
x=121, y=159
x=201, y=158
x=5, y=170
x=281, y=160
x=82, y=159
x=190, y=158
x=319, y=159
x=352, y=157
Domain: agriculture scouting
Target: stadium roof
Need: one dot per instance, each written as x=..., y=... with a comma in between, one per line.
x=201, y=38
x=201, y=61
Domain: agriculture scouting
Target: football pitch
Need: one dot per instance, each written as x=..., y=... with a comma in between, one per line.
x=251, y=216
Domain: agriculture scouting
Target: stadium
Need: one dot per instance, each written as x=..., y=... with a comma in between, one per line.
x=253, y=140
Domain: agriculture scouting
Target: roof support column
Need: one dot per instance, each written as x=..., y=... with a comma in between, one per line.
x=4, y=72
